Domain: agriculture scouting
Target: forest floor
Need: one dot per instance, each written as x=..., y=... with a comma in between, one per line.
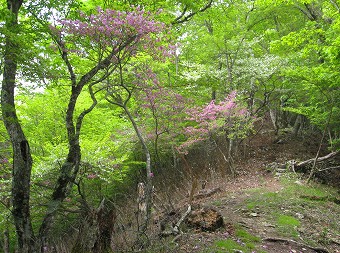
x=265, y=210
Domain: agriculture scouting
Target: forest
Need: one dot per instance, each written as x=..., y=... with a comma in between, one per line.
x=118, y=114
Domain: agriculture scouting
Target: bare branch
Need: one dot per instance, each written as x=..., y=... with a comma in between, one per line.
x=330, y=168
x=183, y=18
x=335, y=4
x=320, y=159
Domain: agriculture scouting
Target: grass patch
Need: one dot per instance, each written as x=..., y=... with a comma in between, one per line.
x=251, y=205
x=245, y=236
x=291, y=196
x=229, y=245
x=286, y=220
x=314, y=189
x=217, y=203
x=288, y=225
x=243, y=241
x=263, y=200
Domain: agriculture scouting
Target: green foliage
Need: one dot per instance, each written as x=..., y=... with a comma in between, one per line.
x=312, y=68
x=274, y=53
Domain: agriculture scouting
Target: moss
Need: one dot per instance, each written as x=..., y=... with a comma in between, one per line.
x=288, y=225
x=286, y=220
x=246, y=237
x=245, y=242
x=228, y=245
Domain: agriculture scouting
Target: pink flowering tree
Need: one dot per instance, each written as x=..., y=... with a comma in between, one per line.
x=162, y=105
x=93, y=48
x=226, y=118
x=113, y=42
x=140, y=88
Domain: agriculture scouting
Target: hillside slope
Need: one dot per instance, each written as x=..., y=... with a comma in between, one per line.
x=266, y=208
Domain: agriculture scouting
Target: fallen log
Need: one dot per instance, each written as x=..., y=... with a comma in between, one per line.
x=320, y=159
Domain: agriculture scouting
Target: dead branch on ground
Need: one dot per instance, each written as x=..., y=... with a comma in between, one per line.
x=317, y=249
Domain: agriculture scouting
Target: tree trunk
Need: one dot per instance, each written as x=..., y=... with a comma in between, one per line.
x=65, y=181
x=22, y=160
x=148, y=188
x=70, y=167
x=274, y=118
x=6, y=246
x=68, y=172
x=297, y=125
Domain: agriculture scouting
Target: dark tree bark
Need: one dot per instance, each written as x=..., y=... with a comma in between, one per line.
x=186, y=14
x=22, y=160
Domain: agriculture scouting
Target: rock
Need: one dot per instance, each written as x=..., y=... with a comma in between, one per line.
x=300, y=216
x=253, y=214
x=266, y=224
x=298, y=182
x=277, y=174
x=205, y=219
x=279, y=141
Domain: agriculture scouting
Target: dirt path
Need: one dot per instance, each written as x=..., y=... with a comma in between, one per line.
x=253, y=204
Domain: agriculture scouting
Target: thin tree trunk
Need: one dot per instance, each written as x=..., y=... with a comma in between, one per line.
x=22, y=160
x=313, y=170
x=230, y=159
x=148, y=188
x=297, y=125
x=274, y=118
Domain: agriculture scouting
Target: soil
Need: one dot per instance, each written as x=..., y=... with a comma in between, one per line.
x=315, y=234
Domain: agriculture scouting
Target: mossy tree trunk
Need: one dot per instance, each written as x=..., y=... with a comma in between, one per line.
x=22, y=160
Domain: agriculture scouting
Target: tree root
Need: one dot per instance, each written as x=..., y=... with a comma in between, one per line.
x=175, y=229
x=316, y=249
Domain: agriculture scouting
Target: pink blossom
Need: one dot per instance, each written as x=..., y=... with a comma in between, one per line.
x=112, y=28
x=46, y=182
x=92, y=176
x=225, y=116
x=4, y=160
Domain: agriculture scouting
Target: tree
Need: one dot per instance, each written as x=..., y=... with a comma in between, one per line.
x=106, y=37
x=226, y=119
x=312, y=53
x=120, y=91
x=22, y=160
